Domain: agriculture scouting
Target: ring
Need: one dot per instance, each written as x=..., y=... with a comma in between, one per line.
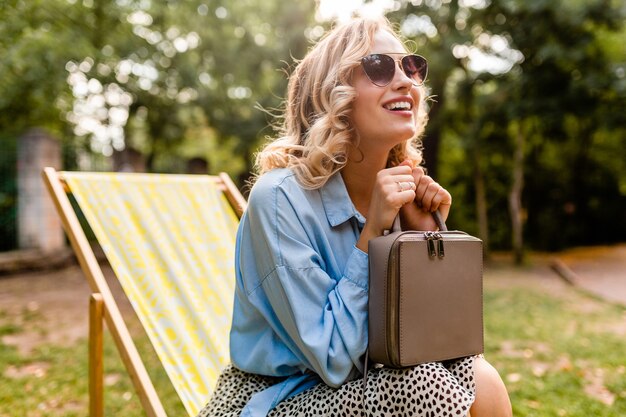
x=401, y=186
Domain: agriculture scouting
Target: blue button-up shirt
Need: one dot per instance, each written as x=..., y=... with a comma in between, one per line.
x=300, y=306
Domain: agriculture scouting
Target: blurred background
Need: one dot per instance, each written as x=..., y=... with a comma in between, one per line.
x=527, y=122
x=527, y=130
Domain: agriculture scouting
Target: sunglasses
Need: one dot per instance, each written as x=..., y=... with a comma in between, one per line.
x=381, y=68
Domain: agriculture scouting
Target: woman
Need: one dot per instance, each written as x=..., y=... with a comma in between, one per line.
x=346, y=164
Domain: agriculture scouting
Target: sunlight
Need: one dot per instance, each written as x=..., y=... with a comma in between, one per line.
x=344, y=9
x=493, y=53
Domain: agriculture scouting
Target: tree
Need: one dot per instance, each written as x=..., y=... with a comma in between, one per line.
x=557, y=97
x=34, y=39
x=518, y=126
x=141, y=73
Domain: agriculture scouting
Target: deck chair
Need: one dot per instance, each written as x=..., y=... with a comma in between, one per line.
x=170, y=241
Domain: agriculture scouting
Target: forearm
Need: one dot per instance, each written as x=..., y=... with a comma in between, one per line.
x=325, y=326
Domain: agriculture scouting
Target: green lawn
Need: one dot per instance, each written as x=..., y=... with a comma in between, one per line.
x=560, y=352
x=53, y=381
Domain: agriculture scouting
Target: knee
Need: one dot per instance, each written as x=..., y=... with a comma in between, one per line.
x=492, y=398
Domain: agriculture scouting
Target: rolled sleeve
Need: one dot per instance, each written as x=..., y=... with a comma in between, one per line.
x=357, y=268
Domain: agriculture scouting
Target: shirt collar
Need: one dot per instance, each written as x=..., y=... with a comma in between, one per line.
x=337, y=203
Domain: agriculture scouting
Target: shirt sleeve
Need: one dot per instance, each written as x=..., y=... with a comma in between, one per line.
x=321, y=318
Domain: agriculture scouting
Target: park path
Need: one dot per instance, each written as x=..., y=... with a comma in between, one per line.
x=51, y=306
x=60, y=296
x=599, y=270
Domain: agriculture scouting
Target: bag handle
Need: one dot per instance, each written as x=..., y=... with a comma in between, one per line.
x=436, y=215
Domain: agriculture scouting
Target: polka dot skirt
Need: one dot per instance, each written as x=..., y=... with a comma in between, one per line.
x=428, y=390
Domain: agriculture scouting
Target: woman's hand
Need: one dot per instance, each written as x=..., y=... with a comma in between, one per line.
x=429, y=197
x=394, y=188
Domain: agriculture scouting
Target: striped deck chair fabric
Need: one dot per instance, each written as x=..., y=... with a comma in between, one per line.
x=170, y=240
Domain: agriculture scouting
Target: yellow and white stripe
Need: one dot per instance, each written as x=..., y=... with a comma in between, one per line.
x=170, y=240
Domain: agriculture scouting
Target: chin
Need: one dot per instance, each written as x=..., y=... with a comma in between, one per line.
x=406, y=134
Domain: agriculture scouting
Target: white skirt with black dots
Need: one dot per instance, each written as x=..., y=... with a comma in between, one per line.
x=429, y=390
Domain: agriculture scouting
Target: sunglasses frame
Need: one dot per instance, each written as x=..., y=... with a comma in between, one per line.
x=397, y=63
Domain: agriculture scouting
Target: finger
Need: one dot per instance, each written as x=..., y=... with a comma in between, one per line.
x=401, y=178
x=418, y=172
x=440, y=198
x=408, y=163
x=388, y=177
x=397, y=199
x=429, y=196
x=444, y=208
x=397, y=170
x=402, y=186
x=398, y=190
x=426, y=200
x=405, y=197
x=405, y=185
x=422, y=186
x=437, y=200
x=402, y=182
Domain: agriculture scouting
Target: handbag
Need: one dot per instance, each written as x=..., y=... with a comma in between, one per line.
x=425, y=296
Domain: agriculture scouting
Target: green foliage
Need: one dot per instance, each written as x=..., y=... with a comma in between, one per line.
x=178, y=80
x=559, y=89
x=562, y=93
x=177, y=66
x=34, y=40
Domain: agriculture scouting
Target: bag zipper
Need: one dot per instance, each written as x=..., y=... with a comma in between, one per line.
x=430, y=244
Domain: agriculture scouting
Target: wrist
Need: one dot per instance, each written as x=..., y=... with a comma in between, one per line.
x=369, y=232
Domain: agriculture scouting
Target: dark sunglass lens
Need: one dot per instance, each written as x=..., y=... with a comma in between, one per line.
x=379, y=68
x=415, y=67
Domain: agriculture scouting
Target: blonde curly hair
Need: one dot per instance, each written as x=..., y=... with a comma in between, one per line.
x=317, y=131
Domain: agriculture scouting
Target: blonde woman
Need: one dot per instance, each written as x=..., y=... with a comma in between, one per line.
x=346, y=163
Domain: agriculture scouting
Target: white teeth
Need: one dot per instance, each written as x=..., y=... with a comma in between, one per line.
x=398, y=105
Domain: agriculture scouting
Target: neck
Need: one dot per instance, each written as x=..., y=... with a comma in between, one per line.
x=360, y=177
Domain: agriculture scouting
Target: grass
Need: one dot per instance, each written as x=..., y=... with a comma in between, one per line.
x=53, y=381
x=560, y=352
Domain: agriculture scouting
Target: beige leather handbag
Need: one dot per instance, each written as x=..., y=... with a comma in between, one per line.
x=425, y=296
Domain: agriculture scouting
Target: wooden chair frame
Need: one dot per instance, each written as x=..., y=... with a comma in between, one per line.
x=102, y=305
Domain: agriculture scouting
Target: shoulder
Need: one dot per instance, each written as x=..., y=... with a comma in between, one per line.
x=278, y=202
x=276, y=184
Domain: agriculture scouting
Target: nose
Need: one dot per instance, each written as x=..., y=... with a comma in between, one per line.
x=400, y=79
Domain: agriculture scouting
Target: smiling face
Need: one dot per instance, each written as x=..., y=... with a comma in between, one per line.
x=384, y=116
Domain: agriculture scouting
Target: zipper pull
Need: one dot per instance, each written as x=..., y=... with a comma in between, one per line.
x=430, y=243
x=440, y=251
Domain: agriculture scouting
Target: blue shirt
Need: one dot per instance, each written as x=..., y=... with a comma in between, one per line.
x=301, y=293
